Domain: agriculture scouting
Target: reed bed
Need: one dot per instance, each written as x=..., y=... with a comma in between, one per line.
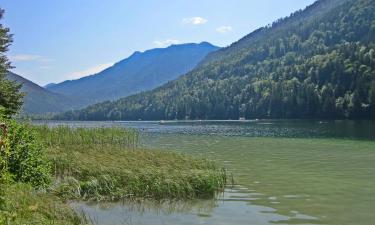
x=64, y=136
x=109, y=164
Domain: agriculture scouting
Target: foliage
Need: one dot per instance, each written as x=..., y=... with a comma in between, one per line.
x=4, y=155
x=319, y=62
x=10, y=97
x=25, y=159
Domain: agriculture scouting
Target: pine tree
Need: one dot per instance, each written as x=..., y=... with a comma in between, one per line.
x=10, y=96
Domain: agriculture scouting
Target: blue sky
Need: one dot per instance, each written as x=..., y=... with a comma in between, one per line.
x=68, y=39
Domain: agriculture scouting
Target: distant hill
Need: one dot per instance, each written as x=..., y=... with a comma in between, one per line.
x=141, y=71
x=39, y=100
x=49, y=85
x=317, y=63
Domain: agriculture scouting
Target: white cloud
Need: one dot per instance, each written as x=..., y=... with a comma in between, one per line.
x=165, y=43
x=194, y=20
x=224, y=29
x=25, y=57
x=89, y=71
x=28, y=57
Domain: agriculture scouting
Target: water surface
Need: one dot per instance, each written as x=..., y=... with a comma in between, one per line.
x=286, y=172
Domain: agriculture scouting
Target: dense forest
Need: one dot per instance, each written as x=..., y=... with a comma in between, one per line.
x=316, y=63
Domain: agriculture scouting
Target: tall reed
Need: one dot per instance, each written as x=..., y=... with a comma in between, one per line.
x=66, y=136
x=108, y=163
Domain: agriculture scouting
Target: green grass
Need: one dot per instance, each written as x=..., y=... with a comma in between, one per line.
x=107, y=164
x=21, y=204
x=106, y=138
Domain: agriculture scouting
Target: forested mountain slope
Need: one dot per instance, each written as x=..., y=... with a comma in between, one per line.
x=317, y=63
x=38, y=100
x=140, y=72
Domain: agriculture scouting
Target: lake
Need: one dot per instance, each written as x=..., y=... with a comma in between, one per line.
x=284, y=172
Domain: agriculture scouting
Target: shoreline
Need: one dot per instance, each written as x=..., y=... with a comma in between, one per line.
x=107, y=165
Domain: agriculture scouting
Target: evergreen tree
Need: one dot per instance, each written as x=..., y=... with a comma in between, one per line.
x=10, y=97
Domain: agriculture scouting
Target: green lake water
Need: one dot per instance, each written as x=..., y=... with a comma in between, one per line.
x=285, y=172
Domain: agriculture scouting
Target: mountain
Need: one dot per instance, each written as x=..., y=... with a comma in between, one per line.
x=38, y=100
x=140, y=72
x=317, y=63
x=50, y=85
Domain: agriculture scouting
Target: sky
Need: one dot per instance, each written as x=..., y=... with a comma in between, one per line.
x=67, y=39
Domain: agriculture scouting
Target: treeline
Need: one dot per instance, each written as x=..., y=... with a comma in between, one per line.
x=320, y=67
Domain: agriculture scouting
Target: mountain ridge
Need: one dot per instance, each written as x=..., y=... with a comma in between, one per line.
x=319, y=6
x=140, y=71
x=38, y=100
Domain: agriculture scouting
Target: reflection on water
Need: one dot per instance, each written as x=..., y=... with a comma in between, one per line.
x=288, y=172
x=231, y=207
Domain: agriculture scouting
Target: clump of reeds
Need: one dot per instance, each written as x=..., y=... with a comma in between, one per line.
x=108, y=164
x=63, y=136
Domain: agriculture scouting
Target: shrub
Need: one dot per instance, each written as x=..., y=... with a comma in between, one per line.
x=25, y=159
x=4, y=154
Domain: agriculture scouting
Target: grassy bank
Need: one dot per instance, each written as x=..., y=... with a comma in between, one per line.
x=22, y=204
x=100, y=164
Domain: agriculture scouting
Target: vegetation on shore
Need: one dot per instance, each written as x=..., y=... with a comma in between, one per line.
x=106, y=164
x=25, y=177
x=63, y=163
x=22, y=204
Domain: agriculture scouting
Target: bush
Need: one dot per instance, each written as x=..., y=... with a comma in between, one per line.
x=4, y=154
x=23, y=156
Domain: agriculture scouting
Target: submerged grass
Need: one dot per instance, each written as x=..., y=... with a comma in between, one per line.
x=108, y=164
